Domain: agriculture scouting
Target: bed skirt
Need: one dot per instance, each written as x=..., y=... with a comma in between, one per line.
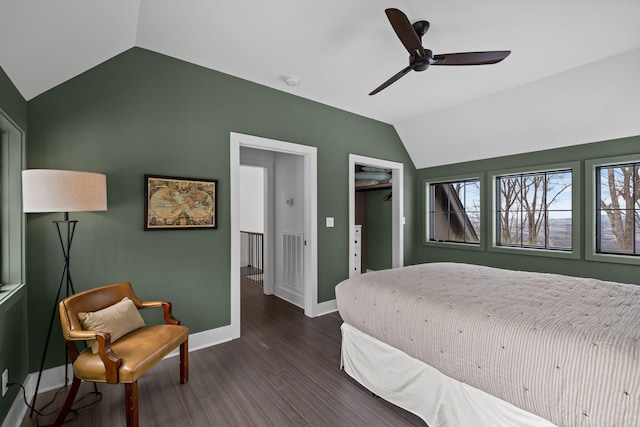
x=422, y=390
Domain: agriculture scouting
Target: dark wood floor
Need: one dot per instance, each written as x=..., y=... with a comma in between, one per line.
x=283, y=371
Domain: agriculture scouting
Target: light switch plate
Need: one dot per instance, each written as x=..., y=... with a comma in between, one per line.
x=5, y=380
x=329, y=221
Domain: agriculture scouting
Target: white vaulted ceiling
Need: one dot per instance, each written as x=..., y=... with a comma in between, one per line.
x=341, y=50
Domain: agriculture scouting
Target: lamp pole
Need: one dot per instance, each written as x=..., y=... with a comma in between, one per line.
x=65, y=278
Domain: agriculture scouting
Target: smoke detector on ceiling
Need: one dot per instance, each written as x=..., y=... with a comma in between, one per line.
x=291, y=80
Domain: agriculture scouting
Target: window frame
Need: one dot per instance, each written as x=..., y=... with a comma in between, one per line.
x=426, y=185
x=591, y=192
x=576, y=237
x=12, y=221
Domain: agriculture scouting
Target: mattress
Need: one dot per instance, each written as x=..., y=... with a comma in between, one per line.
x=564, y=348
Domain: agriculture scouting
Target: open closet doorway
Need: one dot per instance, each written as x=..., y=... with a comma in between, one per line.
x=293, y=234
x=395, y=197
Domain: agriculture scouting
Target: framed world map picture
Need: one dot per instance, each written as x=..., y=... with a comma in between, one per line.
x=172, y=203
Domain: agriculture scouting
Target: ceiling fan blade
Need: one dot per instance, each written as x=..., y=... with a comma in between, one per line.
x=470, y=58
x=393, y=79
x=405, y=31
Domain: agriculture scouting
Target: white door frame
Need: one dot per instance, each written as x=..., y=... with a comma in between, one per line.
x=310, y=218
x=397, y=209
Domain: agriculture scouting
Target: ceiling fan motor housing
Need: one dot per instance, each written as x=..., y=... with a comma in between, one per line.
x=421, y=62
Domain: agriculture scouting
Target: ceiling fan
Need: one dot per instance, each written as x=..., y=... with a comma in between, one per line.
x=420, y=58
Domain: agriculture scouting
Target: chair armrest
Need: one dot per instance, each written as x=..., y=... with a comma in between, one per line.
x=111, y=360
x=81, y=335
x=166, y=307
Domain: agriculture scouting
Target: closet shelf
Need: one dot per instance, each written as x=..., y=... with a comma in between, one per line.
x=374, y=187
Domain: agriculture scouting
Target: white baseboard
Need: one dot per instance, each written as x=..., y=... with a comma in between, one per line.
x=290, y=296
x=16, y=412
x=53, y=378
x=326, y=307
x=208, y=338
x=317, y=309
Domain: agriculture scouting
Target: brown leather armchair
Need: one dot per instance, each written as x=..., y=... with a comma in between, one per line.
x=126, y=359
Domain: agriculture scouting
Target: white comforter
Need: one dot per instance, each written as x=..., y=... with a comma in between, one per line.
x=564, y=348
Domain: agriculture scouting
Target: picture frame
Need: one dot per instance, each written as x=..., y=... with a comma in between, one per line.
x=176, y=203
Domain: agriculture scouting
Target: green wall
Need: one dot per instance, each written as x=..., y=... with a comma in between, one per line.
x=13, y=311
x=13, y=346
x=578, y=267
x=11, y=102
x=142, y=112
x=379, y=230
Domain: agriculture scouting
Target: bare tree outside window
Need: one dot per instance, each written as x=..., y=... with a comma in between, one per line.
x=618, y=210
x=534, y=210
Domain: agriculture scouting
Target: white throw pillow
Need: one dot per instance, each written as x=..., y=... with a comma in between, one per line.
x=118, y=319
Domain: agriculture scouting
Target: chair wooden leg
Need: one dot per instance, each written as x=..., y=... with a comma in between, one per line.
x=131, y=402
x=75, y=385
x=184, y=362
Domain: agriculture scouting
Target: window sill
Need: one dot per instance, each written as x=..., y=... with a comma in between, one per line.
x=615, y=259
x=7, y=291
x=536, y=252
x=454, y=245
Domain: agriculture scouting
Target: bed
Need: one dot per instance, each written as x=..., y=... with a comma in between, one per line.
x=466, y=345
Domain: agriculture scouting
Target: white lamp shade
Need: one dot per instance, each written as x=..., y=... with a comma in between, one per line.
x=47, y=190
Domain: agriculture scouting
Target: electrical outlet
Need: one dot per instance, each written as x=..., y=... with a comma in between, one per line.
x=5, y=380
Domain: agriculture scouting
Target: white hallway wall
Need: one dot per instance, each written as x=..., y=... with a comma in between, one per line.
x=252, y=199
x=596, y=102
x=289, y=184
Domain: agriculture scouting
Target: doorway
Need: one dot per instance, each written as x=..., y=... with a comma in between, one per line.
x=306, y=202
x=256, y=215
x=272, y=222
x=397, y=212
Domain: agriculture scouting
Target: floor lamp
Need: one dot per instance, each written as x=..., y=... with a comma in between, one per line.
x=47, y=190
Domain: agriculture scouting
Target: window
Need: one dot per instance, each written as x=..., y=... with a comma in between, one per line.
x=454, y=211
x=617, y=209
x=534, y=210
x=12, y=148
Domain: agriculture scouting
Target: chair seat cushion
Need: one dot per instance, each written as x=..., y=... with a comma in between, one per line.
x=139, y=350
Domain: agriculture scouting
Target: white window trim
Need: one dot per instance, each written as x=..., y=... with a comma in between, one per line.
x=427, y=219
x=12, y=221
x=590, y=212
x=576, y=237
